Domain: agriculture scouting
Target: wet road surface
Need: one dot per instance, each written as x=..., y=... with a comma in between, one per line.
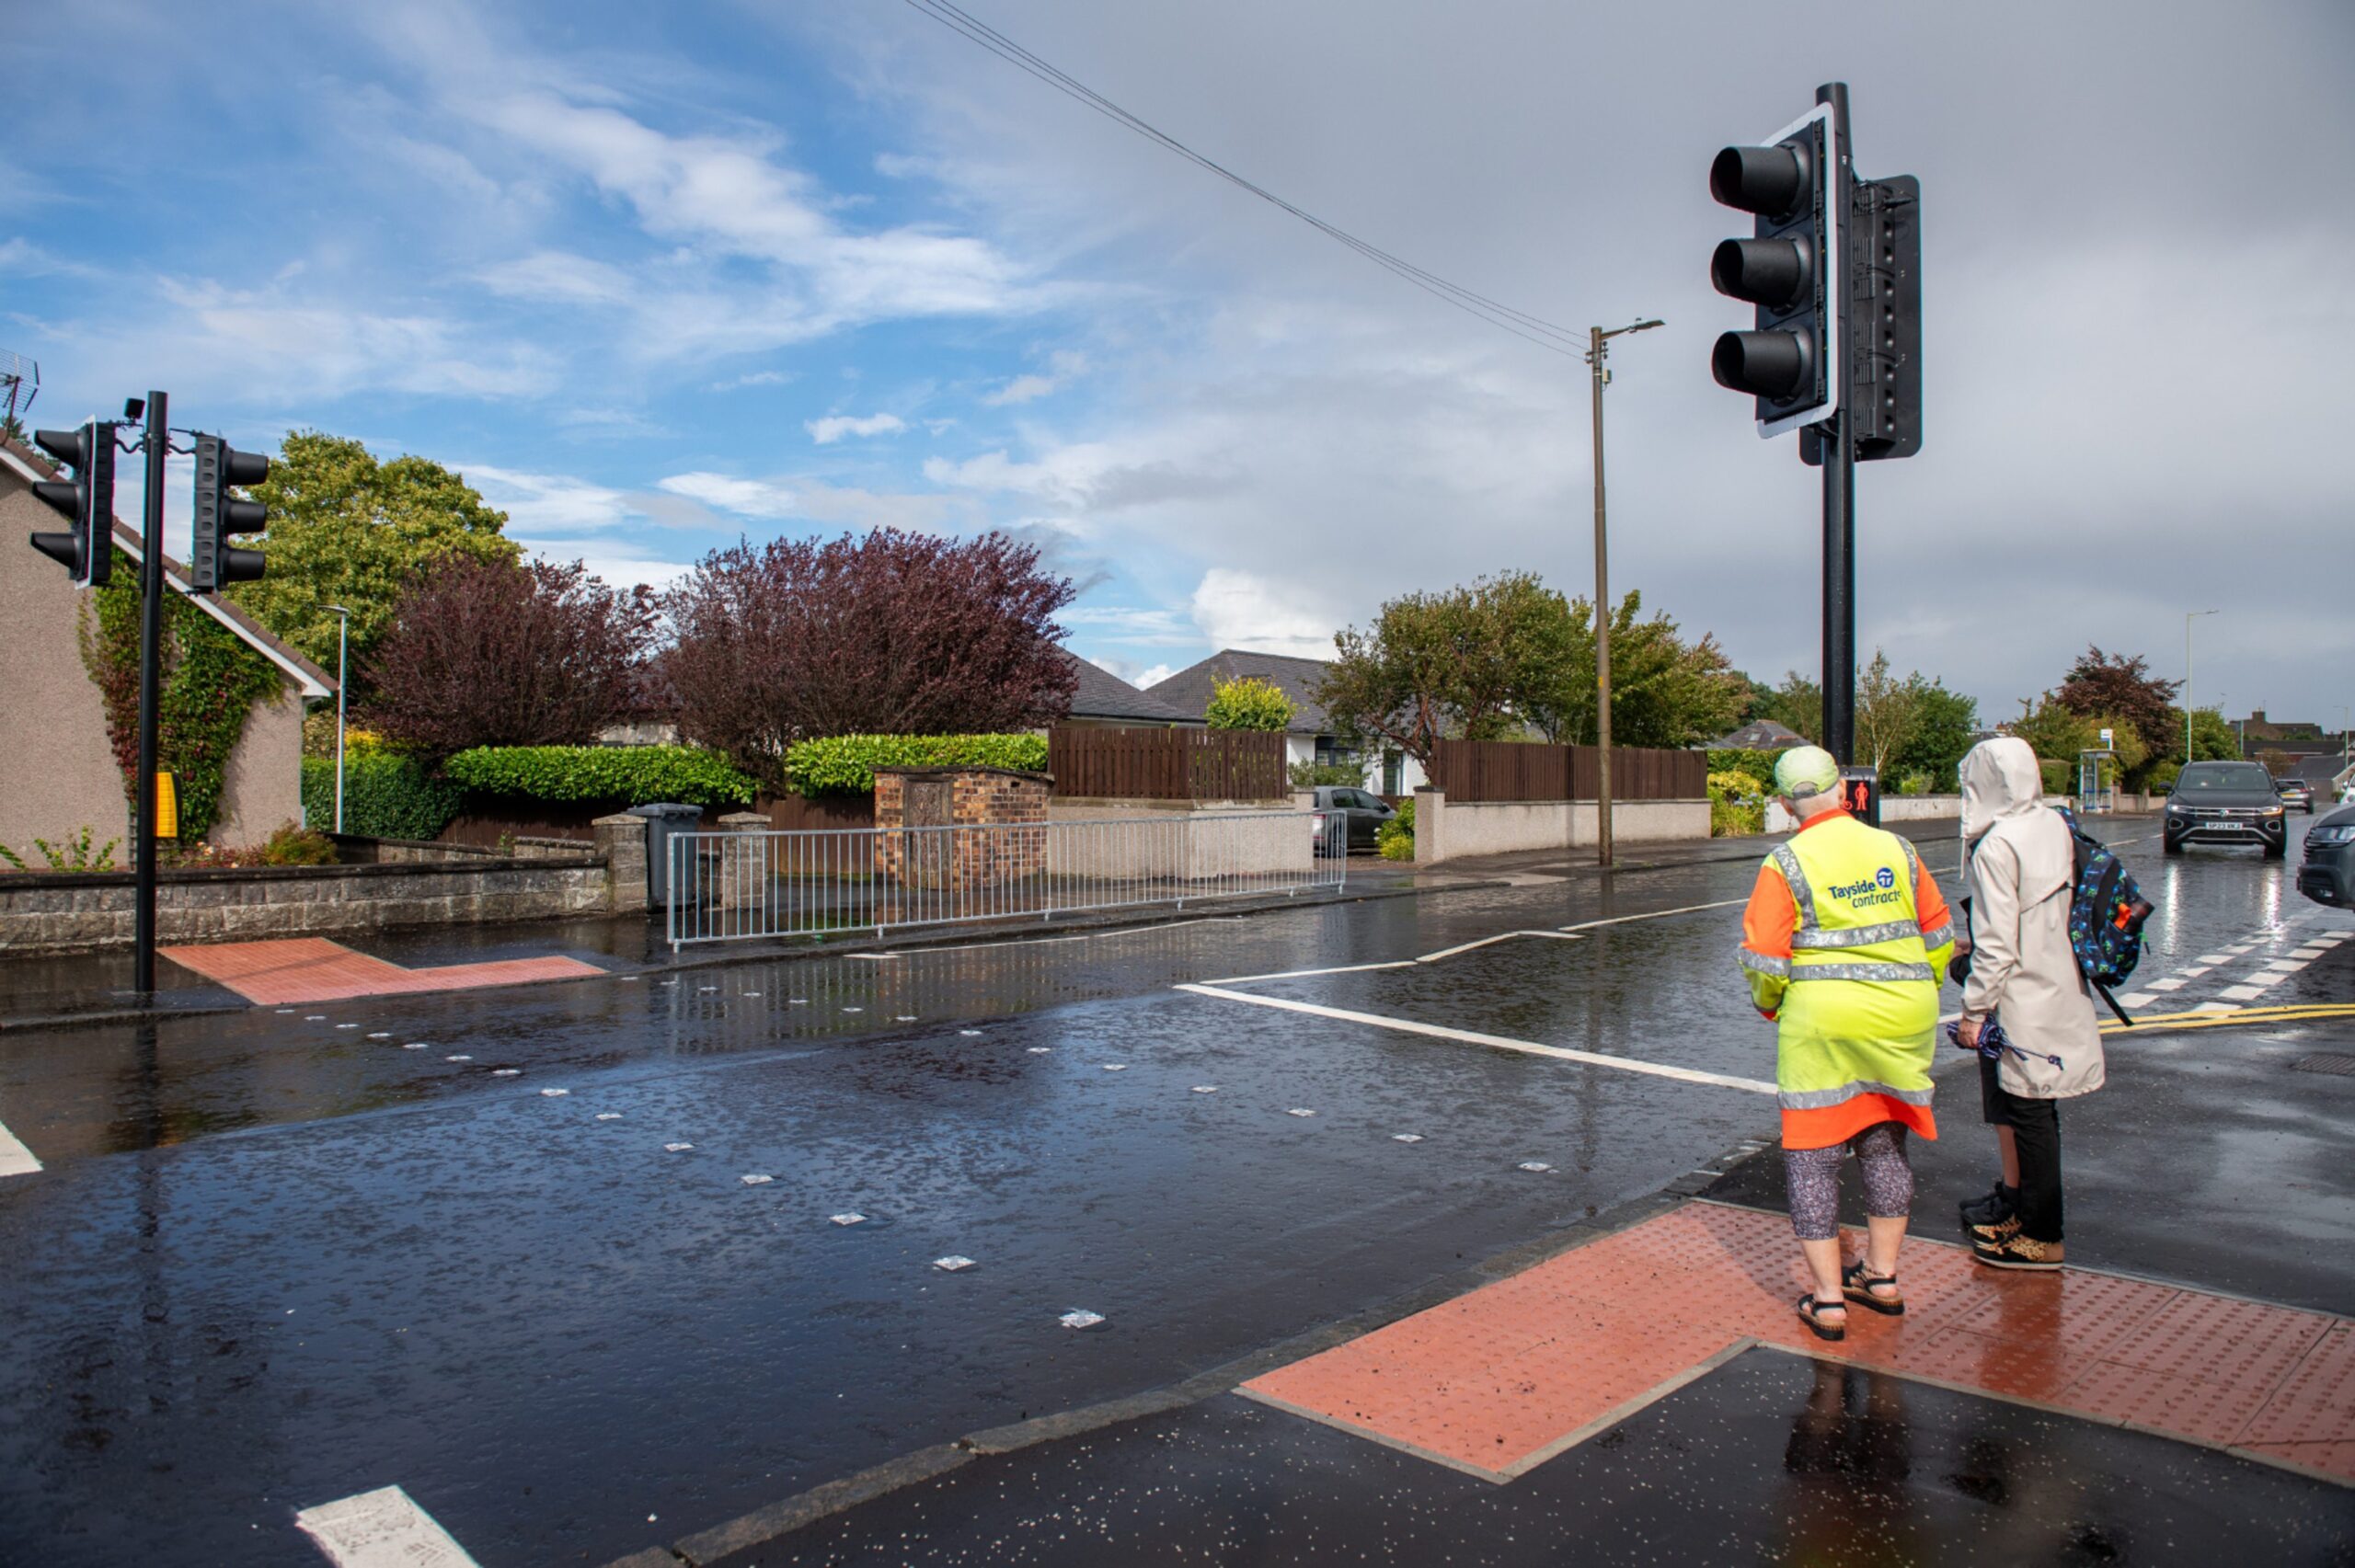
x=280, y=1258
x=1771, y=1458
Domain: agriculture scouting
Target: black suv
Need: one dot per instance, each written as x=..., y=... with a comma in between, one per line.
x=2328, y=875
x=2226, y=803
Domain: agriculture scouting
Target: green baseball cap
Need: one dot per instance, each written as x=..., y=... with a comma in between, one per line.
x=1804, y=772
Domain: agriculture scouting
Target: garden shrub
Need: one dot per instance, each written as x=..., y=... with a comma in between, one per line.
x=293, y=844
x=1914, y=783
x=1759, y=765
x=2163, y=775
x=1737, y=802
x=1310, y=775
x=2060, y=777
x=1395, y=838
x=386, y=796
x=1247, y=703
x=635, y=775
x=846, y=765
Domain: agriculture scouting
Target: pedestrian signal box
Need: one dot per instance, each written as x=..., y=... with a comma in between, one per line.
x=167, y=807
x=1860, y=793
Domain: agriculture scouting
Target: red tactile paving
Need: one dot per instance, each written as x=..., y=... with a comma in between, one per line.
x=1500, y=1378
x=311, y=969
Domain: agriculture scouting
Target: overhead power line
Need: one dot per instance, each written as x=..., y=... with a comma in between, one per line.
x=1519, y=323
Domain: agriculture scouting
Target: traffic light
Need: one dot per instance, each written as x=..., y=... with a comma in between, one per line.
x=1789, y=268
x=87, y=499
x=1885, y=371
x=219, y=514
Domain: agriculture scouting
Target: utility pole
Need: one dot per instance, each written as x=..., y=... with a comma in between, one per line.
x=1596, y=351
x=2188, y=616
x=150, y=639
x=342, y=679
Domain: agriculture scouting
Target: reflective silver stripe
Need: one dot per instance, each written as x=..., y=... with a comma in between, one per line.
x=1819, y=1099
x=1913, y=870
x=1857, y=935
x=1795, y=880
x=1939, y=938
x=1762, y=963
x=1860, y=972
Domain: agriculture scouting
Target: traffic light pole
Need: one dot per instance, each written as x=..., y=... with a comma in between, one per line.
x=1836, y=443
x=151, y=638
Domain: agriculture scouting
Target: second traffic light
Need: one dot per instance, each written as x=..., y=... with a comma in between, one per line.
x=87, y=499
x=1788, y=269
x=219, y=468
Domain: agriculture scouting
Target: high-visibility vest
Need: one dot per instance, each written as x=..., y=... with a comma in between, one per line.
x=1861, y=1012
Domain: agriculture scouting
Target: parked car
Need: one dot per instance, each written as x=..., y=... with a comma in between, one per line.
x=2328, y=875
x=1365, y=812
x=2296, y=792
x=2225, y=803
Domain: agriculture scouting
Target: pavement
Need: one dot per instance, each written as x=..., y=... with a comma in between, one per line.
x=274, y=1260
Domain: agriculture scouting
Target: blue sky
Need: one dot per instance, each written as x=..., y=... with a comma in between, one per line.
x=653, y=277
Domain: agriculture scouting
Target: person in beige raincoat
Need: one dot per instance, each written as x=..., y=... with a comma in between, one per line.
x=2020, y=873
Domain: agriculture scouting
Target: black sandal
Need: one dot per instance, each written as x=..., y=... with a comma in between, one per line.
x=1857, y=1285
x=1809, y=1309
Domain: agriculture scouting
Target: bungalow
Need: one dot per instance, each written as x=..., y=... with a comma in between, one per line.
x=1312, y=736
x=58, y=773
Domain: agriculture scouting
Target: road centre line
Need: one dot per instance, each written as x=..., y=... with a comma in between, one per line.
x=383, y=1529
x=15, y=1160
x=1500, y=936
x=1658, y=914
x=1496, y=1042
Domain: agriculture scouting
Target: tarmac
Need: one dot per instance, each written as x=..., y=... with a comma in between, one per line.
x=277, y=1258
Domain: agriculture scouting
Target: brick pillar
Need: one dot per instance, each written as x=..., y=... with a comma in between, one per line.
x=743, y=870
x=622, y=840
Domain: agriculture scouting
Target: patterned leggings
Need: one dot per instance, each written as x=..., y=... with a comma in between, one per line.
x=1814, y=1179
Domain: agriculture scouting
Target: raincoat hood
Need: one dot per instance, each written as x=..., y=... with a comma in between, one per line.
x=2000, y=779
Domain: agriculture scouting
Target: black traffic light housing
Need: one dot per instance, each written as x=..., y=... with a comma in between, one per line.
x=220, y=467
x=1787, y=269
x=87, y=499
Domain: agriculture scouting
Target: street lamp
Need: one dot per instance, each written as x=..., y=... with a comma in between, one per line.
x=1597, y=348
x=2188, y=616
x=342, y=650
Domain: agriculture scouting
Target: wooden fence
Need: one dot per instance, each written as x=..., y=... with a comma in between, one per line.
x=1167, y=764
x=1511, y=770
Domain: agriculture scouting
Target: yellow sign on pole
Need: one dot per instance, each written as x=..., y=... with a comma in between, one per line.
x=167, y=808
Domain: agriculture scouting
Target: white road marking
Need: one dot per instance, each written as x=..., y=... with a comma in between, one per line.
x=1499, y=1042
x=381, y=1529
x=2309, y=954
x=2262, y=978
x=2214, y=1007
x=2213, y=959
x=2195, y=970
x=1500, y=936
x=1304, y=973
x=15, y=1160
x=2242, y=993
x=1659, y=914
x=2288, y=965
x=2139, y=998
x=2169, y=984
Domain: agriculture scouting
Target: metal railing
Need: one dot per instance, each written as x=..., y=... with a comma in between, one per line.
x=733, y=885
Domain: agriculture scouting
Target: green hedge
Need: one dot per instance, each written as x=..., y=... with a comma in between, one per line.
x=635, y=775
x=1759, y=765
x=385, y=796
x=846, y=765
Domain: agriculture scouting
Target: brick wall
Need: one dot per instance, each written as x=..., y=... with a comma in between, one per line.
x=991, y=833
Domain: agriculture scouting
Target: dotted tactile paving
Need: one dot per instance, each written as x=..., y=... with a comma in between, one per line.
x=315, y=970
x=1500, y=1378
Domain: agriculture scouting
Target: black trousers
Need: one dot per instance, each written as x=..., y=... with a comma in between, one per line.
x=2035, y=1137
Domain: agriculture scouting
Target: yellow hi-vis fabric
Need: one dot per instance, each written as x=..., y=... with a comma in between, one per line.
x=1855, y=1000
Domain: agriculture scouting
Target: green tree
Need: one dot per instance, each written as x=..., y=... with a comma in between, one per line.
x=1888, y=709
x=2123, y=688
x=2057, y=733
x=345, y=528
x=1466, y=663
x=1247, y=703
x=1943, y=723
x=1664, y=691
x=1797, y=705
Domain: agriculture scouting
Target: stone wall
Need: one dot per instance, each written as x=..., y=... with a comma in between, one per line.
x=1107, y=839
x=49, y=913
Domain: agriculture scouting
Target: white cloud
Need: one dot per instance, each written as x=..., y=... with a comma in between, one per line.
x=745, y=498
x=537, y=502
x=1238, y=609
x=834, y=427
x=755, y=378
x=1154, y=675
x=1066, y=363
x=554, y=275
x=611, y=559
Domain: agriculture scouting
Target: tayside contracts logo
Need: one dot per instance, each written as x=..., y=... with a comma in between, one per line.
x=1881, y=889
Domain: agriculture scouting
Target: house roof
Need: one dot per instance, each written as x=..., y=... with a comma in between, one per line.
x=2320, y=771
x=1189, y=691
x=1102, y=694
x=1760, y=735
x=30, y=465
